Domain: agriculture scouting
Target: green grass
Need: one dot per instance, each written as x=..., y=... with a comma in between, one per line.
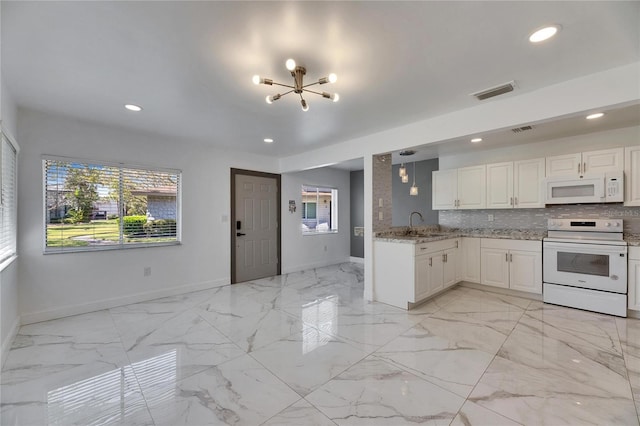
x=106, y=231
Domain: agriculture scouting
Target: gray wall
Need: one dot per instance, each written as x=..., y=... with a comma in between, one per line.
x=404, y=204
x=357, y=212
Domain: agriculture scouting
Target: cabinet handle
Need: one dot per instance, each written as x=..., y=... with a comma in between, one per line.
x=511, y=258
x=511, y=202
x=579, y=166
x=506, y=257
x=584, y=167
x=430, y=261
x=516, y=201
x=444, y=258
x=456, y=244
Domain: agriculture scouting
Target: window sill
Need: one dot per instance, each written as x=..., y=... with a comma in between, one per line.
x=52, y=250
x=4, y=265
x=319, y=232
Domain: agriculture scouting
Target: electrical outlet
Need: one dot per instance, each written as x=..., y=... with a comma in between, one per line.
x=380, y=216
x=490, y=218
x=147, y=271
x=380, y=202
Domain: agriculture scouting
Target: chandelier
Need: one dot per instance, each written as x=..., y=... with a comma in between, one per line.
x=298, y=72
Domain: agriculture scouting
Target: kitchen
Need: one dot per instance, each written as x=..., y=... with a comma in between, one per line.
x=511, y=210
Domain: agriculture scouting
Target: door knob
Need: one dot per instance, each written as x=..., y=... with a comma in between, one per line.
x=239, y=234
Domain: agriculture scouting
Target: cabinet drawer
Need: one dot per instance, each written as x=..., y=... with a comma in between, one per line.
x=430, y=247
x=634, y=253
x=505, y=244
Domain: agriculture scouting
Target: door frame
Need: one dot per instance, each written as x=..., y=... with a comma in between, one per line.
x=232, y=226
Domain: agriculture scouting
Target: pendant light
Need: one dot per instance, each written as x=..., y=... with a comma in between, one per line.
x=402, y=172
x=405, y=178
x=414, y=188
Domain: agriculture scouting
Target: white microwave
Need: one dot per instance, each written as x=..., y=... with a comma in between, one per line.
x=596, y=188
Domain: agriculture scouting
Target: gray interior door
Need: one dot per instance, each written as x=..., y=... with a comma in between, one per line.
x=256, y=228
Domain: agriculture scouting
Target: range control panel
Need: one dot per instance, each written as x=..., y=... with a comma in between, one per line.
x=588, y=225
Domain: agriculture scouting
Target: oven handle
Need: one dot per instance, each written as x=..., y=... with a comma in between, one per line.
x=585, y=248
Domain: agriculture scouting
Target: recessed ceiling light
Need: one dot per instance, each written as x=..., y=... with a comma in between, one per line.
x=132, y=107
x=544, y=33
x=268, y=140
x=476, y=140
x=596, y=115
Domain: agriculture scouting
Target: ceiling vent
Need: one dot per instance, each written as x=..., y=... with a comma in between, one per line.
x=495, y=91
x=522, y=129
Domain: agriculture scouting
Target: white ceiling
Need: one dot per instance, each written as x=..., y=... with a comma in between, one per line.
x=189, y=64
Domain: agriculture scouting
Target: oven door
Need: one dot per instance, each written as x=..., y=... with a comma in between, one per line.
x=593, y=266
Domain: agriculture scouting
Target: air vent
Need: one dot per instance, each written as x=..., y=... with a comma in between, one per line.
x=495, y=91
x=522, y=129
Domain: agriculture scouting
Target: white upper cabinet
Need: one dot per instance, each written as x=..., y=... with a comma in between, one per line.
x=528, y=177
x=515, y=184
x=471, y=187
x=602, y=161
x=500, y=185
x=632, y=176
x=459, y=188
x=445, y=189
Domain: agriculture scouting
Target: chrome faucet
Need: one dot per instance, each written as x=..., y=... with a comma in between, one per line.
x=411, y=218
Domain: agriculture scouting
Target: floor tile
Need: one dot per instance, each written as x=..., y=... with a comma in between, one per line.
x=474, y=414
x=238, y=392
x=298, y=414
x=308, y=359
x=374, y=392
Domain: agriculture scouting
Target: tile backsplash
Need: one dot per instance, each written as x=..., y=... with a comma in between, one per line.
x=536, y=219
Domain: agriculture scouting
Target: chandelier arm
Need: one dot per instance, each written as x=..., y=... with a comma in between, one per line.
x=283, y=85
x=312, y=91
x=310, y=84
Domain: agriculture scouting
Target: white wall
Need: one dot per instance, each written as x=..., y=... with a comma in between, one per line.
x=63, y=284
x=9, y=319
x=590, y=142
x=311, y=251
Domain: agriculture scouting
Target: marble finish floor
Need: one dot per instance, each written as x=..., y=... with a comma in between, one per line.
x=306, y=349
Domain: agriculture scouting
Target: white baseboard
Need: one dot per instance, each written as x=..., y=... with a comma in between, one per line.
x=322, y=264
x=8, y=341
x=69, y=310
x=356, y=260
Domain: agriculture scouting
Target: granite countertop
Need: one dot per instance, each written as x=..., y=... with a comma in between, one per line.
x=430, y=236
x=633, y=240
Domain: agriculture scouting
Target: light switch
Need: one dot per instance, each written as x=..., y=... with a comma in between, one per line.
x=490, y=218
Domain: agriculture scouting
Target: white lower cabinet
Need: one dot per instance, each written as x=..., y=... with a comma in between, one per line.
x=513, y=264
x=634, y=278
x=470, y=260
x=409, y=273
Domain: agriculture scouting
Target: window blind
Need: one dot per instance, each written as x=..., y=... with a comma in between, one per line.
x=8, y=202
x=97, y=206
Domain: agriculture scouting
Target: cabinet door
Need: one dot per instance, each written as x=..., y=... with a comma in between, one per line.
x=500, y=186
x=472, y=187
x=495, y=267
x=525, y=271
x=436, y=264
x=607, y=160
x=562, y=165
x=450, y=268
x=632, y=176
x=471, y=260
x=634, y=284
x=444, y=189
x=528, y=189
x=422, y=278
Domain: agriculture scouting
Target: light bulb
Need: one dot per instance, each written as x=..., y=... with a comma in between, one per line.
x=405, y=179
x=269, y=99
x=413, y=190
x=402, y=171
x=133, y=107
x=305, y=107
x=290, y=64
x=544, y=34
x=335, y=97
x=594, y=116
x=256, y=79
x=333, y=78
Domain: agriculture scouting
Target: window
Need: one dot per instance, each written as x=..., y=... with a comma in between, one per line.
x=8, y=205
x=98, y=206
x=319, y=210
